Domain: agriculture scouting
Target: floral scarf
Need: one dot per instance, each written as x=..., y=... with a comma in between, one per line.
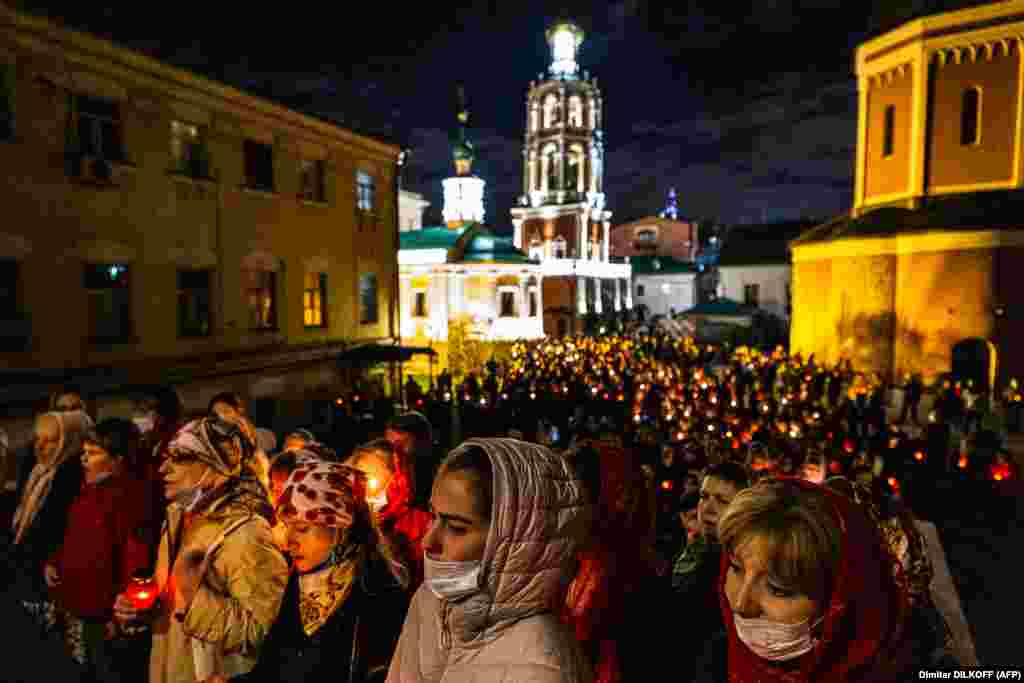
x=322, y=592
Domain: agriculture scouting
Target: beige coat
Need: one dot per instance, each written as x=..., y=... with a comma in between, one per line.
x=507, y=632
x=237, y=601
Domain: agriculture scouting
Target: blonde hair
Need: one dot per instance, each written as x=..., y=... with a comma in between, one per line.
x=798, y=527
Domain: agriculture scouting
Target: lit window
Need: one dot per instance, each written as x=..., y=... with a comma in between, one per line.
x=109, y=290
x=312, y=173
x=419, y=306
x=364, y=191
x=575, y=111
x=193, y=303
x=889, y=132
x=188, y=150
x=259, y=166
x=261, y=299
x=367, y=298
x=970, y=117
x=551, y=111
x=314, y=297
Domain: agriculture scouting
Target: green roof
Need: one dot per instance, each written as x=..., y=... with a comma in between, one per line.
x=761, y=244
x=430, y=238
x=997, y=210
x=721, y=306
x=486, y=247
x=659, y=265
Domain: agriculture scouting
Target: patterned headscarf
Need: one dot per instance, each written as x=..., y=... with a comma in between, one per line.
x=322, y=493
x=226, y=446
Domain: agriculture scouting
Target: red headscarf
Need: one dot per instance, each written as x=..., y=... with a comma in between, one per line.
x=615, y=563
x=864, y=637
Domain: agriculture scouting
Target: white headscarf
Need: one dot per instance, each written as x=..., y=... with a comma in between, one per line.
x=72, y=427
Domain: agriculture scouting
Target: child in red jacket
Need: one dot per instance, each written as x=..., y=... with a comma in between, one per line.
x=105, y=543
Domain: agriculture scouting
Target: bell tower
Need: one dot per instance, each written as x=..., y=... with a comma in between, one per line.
x=463, y=193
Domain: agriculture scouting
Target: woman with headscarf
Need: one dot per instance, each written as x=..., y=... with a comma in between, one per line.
x=810, y=592
x=346, y=598
x=220, y=577
x=48, y=481
x=508, y=518
x=602, y=605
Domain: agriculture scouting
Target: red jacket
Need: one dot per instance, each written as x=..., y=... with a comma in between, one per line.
x=405, y=525
x=103, y=546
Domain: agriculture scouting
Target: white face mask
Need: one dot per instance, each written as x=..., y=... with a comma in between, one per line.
x=775, y=641
x=188, y=498
x=451, y=580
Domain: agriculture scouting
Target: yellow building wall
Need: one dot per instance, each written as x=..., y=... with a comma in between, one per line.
x=158, y=222
x=991, y=160
x=889, y=175
x=812, y=328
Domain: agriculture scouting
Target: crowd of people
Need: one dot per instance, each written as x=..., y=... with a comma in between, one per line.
x=763, y=504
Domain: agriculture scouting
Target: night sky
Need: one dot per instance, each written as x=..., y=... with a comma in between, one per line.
x=747, y=109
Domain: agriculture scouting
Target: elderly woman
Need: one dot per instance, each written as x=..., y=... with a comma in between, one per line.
x=508, y=518
x=221, y=579
x=345, y=600
x=48, y=481
x=808, y=591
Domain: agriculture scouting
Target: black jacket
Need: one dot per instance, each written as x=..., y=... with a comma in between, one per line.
x=354, y=646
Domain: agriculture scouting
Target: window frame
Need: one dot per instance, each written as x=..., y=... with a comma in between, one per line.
x=126, y=323
x=640, y=289
x=182, y=291
x=310, y=294
x=251, y=164
x=366, y=192
x=888, y=130
x=273, y=325
x=318, y=195
x=419, y=312
x=975, y=121
x=364, y=318
x=510, y=290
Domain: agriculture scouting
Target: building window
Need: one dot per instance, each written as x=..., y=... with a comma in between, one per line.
x=419, y=304
x=574, y=172
x=108, y=286
x=575, y=111
x=367, y=298
x=6, y=101
x=534, y=118
x=639, y=290
x=313, y=188
x=259, y=166
x=507, y=304
x=188, y=150
x=889, y=132
x=193, y=303
x=536, y=251
x=314, y=297
x=551, y=160
x=645, y=237
x=551, y=111
x=970, y=117
x=97, y=128
x=364, y=191
x=751, y=294
x=559, y=247
x=261, y=299
x=533, y=303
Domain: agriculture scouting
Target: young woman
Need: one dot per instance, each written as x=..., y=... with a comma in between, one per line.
x=508, y=518
x=344, y=603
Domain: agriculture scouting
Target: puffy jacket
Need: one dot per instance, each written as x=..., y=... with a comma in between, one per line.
x=509, y=631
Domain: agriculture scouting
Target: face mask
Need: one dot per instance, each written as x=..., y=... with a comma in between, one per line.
x=146, y=423
x=774, y=641
x=378, y=502
x=451, y=580
x=190, y=497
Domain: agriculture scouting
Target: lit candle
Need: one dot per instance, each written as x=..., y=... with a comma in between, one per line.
x=142, y=590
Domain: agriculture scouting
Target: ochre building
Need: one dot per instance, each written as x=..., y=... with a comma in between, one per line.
x=921, y=274
x=160, y=227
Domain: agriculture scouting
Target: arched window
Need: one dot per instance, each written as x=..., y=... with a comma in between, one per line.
x=574, y=170
x=551, y=169
x=558, y=247
x=534, y=117
x=576, y=111
x=970, y=117
x=551, y=111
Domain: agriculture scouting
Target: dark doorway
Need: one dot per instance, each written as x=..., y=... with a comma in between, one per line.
x=974, y=359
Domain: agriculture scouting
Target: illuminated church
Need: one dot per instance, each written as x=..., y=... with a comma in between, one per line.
x=464, y=271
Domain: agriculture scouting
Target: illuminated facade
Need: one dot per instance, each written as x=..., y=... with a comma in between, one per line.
x=561, y=220
x=926, y=261
x=463, y=271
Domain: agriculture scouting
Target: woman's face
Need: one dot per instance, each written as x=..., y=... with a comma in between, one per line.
x=754, y=593
x=459, y=531
x=96, y=461
x=181, y=472
x=47, y=439
x=309, y=545
x=225, y=412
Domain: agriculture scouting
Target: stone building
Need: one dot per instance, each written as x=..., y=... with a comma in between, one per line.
x=562, y=220
x=666, y=234
x=920, y=274
x=159, y=227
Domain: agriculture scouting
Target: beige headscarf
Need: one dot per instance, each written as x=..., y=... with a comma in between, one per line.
x=72, y=427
